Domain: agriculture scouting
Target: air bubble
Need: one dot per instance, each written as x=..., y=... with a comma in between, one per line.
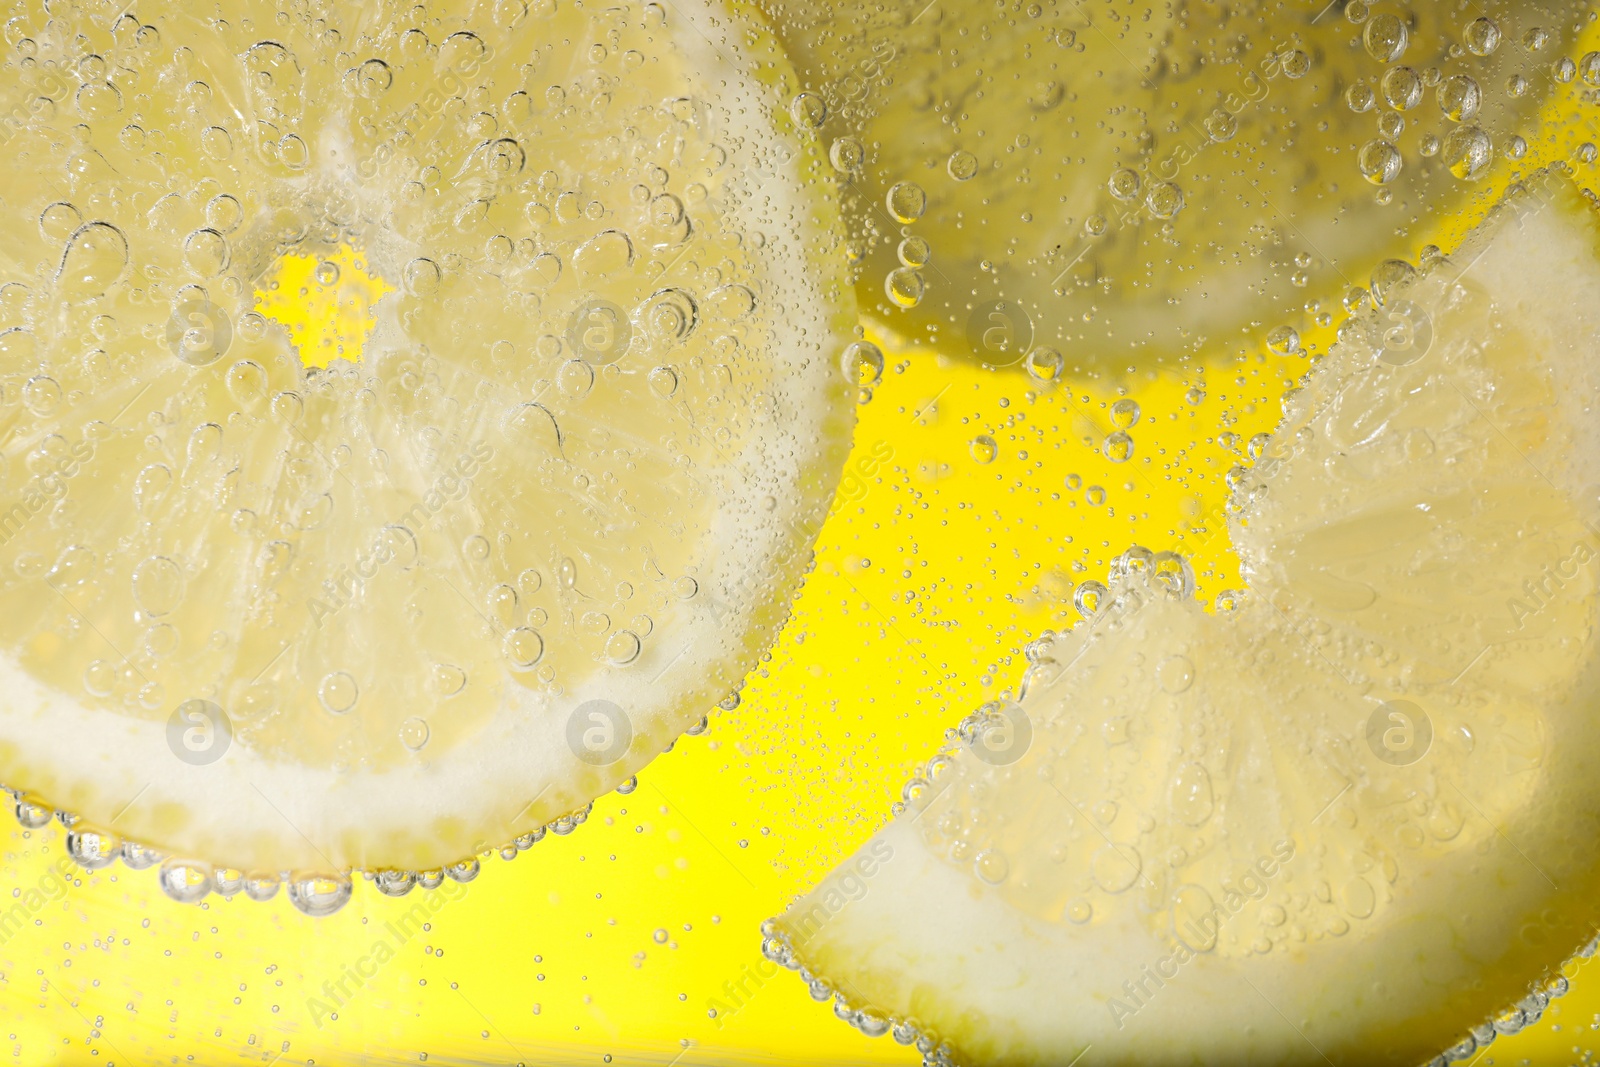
x=862, y=364
x=1402, y=88
x=1283, y=340
x=319, y=895
x=1164, y=200
x=93, y=849
x=1119, y=447
x=1124, y=184
x=414, y=733
x=523, y=648
x=1589, y=69
x=1386, y=37
x=1482, y=36
x=1467, y=152
x=158, y=585
x=185, y=881
x=338, y=692
x=905, y=287
x=1044, y=364
x=808, y=110
x=846, y=155
x=1459, y=98
x=962, y=166
x=906, y=202
x=914, y=252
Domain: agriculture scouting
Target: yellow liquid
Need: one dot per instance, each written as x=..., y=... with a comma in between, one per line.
x=635, y=940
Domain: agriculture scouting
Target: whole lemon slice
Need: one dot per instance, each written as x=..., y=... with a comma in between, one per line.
x=1347, y=816
x=1097, y=186
x=414, y=418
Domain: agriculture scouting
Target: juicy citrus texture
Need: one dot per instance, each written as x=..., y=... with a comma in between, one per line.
x=1341, y=818
x=1115, y=184
x=458, y=583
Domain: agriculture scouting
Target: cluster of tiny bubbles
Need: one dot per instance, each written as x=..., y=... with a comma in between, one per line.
x=1467, y=148
x=1524, y=1013
x=190, y=881
x=775, y=947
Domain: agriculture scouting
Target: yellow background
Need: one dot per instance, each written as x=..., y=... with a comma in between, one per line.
x=620, y=940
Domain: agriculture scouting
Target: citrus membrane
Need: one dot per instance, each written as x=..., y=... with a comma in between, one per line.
x=1346, y=815
x=1105, y=186
x=269, y=604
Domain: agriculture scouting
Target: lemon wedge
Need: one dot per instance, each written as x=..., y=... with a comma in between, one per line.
x=1346, y=818
x=1119, y=186
x=278, y=604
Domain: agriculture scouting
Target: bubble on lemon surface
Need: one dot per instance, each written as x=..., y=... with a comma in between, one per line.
x=1146, y=188
x=391, y=431
x=1216, y=828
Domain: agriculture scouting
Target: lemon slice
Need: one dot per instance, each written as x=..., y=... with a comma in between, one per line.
x=1118, y=187
x=507, y=489
x=1343, y=818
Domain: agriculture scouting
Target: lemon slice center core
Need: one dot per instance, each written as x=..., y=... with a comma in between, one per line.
x=326, y=303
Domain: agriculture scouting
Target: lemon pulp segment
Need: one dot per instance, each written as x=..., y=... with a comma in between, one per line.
x=1342, y=817
x=453, y=585
x=1122, y=184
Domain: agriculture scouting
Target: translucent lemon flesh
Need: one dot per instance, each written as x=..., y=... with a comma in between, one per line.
x=1340, y=819
x=1124, y=185
x=458, y=582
